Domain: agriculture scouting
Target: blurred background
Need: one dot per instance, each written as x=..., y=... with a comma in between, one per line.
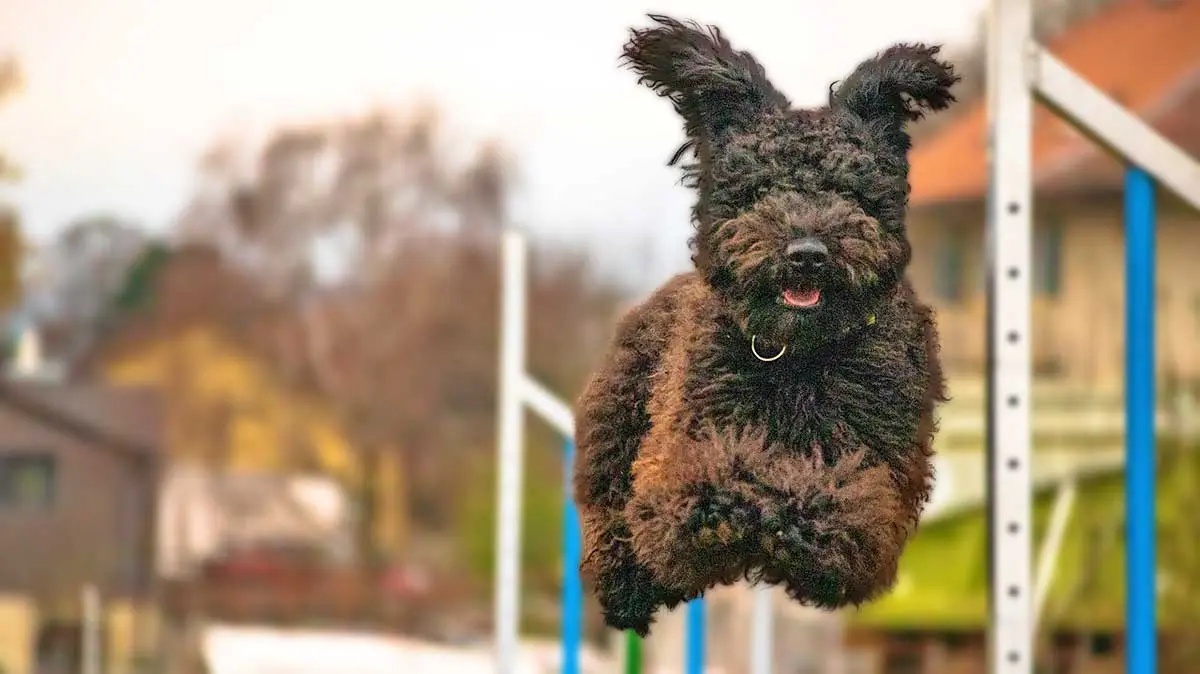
x=249, y=292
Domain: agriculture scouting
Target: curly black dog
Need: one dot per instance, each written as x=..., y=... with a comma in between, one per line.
x=769, y=415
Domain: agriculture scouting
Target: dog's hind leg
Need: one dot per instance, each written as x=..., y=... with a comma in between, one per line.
x=611, y=420
x=629, y=594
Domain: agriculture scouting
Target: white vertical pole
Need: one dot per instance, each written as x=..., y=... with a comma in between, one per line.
x=90, y=636
x=510, y=453
x=762, y=630
x=1009, y=375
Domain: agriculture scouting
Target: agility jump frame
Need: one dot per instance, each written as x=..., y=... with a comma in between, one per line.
x=1020, y=70
x=519, y=390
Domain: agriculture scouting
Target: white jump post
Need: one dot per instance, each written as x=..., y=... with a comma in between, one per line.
x=517, y=389
x=511, y=457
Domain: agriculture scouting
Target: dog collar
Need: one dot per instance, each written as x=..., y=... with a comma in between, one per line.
x=765, y=359
x=783, y=348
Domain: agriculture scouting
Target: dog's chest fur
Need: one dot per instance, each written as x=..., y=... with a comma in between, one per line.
x=869, y=389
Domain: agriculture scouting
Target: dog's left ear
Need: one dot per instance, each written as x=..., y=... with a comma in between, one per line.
x=896, y=87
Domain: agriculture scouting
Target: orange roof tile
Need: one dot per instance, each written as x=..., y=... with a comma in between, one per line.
x=1144, y=54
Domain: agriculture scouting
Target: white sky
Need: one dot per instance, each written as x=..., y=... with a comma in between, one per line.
x=123, y=95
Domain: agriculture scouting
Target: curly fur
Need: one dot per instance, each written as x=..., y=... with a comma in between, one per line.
x=700, y=464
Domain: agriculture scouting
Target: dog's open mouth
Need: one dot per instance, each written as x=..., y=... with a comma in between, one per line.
x=802, y=298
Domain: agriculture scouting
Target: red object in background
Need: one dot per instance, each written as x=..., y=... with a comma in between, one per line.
x=405, y=581
x=250, y=563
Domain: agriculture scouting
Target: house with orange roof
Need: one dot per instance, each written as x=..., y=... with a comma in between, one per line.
x=1146, y=56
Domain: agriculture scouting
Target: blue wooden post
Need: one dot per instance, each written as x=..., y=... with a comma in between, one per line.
x=1140, y=567
x=572, y=590
x=694, y=648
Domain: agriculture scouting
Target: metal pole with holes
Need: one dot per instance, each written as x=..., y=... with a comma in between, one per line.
x=1019, y=67
x=1009, y=436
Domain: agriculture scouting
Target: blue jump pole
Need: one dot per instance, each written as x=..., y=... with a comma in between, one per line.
x=694, y=648
x=572, y=590
x=1140, y=615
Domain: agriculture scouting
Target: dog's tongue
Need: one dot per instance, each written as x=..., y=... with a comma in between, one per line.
x=802, y=298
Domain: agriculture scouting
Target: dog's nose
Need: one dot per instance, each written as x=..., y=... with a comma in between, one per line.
x=807, y=253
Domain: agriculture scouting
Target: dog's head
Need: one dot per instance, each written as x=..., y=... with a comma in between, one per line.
x=800, y=213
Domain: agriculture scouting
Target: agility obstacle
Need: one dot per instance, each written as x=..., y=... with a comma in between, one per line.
x=519, y=390
x=1020, y=70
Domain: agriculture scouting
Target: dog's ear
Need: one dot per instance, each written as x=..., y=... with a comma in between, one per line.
x=713, y=87
x=897, y=86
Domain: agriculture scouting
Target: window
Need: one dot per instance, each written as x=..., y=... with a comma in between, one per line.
x=27, y=480
x=1064, y=651
x=950, y=265
x=1102, y=644
x=1047, y=258
x=954, y=641
x=905, y=654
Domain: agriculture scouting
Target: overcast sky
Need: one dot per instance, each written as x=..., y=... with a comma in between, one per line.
x=123, y=95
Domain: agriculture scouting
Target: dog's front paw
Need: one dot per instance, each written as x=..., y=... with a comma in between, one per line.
x=720, y=519
x=794, y=554
x=831, y=537
x=696, y=537
x=785, y=536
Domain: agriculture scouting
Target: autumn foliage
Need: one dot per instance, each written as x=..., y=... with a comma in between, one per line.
x=359, y=260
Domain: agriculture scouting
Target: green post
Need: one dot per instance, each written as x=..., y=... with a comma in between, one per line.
x=633, y=653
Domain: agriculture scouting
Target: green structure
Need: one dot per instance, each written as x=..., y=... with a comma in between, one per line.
x=943, y=575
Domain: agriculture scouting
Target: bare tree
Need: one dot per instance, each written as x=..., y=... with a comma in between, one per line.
x=76, y=277
x=12, y=245
x=10, y=84
x=403, y=337
x=78, y=273
x=370, y=181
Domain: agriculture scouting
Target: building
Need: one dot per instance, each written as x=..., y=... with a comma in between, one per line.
x=1145, y=56
x=78, y=466
x=227, y=362
x=78, y=469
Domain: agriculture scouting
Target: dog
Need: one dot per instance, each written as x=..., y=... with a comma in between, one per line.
x=768, y=415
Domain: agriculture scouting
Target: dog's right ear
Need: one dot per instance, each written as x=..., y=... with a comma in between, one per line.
x=713, y=87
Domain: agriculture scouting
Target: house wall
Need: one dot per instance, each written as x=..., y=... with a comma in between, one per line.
x=18, y=629
x=1079, y=324
x=93, y=532
x=226, y=410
